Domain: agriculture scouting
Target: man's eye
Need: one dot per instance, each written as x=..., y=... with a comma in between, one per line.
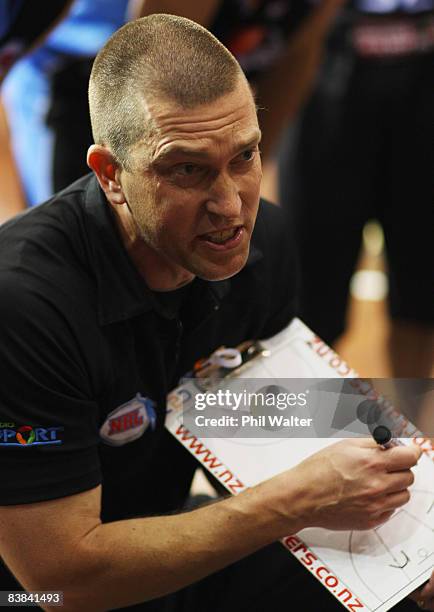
x=186, y=169
x=246, y=155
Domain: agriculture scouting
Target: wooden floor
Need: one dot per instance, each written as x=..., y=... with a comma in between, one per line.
x=364, y=344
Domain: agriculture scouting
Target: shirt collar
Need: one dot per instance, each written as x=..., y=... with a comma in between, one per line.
x=121, y=291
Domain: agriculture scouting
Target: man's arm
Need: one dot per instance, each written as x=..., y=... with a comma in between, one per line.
x=286, y=86
x=352, y=484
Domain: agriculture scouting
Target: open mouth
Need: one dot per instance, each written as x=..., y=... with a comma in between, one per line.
x=221, y=237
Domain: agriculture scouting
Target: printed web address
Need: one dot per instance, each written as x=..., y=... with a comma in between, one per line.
x=292, y=543
x=209, y=460
x=322, y=573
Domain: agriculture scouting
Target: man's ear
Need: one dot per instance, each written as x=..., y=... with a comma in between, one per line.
x=106, y=170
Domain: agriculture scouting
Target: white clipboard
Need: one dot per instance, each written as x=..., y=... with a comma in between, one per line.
x=364, y=570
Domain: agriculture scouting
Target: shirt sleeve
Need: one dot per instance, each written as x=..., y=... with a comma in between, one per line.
x=48, y=419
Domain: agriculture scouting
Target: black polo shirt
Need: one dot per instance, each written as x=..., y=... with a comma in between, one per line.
x=81, y=336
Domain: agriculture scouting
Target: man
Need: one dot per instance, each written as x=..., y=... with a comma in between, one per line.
x=109, y=294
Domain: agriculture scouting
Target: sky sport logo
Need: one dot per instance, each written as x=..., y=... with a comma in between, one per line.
x=26, y=435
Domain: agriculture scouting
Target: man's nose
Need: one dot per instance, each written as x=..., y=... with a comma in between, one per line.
x=224, y=198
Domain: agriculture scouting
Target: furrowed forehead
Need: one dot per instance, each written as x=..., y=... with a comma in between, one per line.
x=202, y=152
x=175, y=130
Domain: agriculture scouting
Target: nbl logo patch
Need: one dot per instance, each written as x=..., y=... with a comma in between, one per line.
x=129, y=421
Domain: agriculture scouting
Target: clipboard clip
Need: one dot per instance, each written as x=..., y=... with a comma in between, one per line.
x=223, y=363
x=224, y=358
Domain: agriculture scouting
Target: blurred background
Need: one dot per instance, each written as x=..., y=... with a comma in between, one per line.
x=345, y=97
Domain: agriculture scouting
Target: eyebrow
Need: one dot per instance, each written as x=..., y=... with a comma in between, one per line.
x=175, y=150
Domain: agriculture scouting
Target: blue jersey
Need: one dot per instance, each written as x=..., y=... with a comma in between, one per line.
x=27, y=89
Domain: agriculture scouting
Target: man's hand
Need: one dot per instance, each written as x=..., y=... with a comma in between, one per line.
x=424, y=597
x=100, y=566
x=353, y=484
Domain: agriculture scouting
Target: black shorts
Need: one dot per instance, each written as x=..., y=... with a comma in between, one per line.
x=363, y=149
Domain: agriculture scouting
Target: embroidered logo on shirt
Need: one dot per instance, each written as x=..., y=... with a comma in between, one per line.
x=129, y=421
x=27, y=435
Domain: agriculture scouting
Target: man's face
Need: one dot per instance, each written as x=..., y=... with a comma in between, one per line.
x=194, y=193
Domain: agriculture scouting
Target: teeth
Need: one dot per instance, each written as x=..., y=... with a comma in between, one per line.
x=219, y=237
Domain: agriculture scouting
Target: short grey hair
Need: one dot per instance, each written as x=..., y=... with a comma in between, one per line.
x=153, y=58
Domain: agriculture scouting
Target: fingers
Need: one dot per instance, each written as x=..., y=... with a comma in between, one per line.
x=424, y=603
x=384, y=509
x=428, y=590
x=401, y=457
x=381, y=510
x=399, y=481
x=396, y=458
x=396, y=500
x=362, y=442
x=381, y=518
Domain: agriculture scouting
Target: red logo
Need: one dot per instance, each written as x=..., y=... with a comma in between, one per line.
x=129, y=421
x=126, y=421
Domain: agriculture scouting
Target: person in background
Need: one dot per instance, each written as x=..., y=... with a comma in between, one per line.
x=363, y=149
x=278, y=44
x=23, y=26
x=45, y=97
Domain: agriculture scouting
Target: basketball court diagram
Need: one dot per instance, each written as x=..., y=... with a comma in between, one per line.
x=405, y=558
x=377, y=567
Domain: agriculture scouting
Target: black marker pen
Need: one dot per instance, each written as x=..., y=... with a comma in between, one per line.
x=383, y=436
